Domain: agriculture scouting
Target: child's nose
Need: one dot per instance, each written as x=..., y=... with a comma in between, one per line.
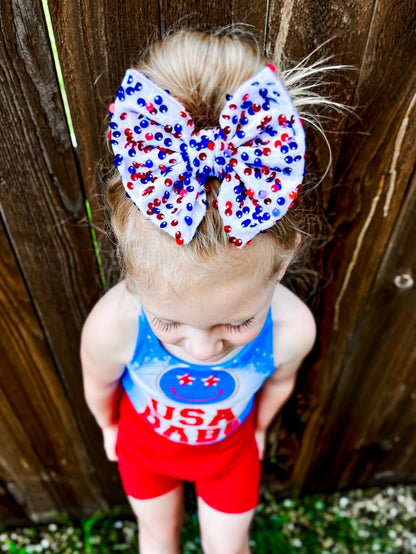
x=203, y=345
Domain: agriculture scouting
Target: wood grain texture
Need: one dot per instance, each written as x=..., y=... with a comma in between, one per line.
x=377, y=155
x=372, y=418
x=44, y=463
x=97, y=41
x=42, y=204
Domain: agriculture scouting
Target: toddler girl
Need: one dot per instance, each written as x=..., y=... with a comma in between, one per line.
x=189, y=358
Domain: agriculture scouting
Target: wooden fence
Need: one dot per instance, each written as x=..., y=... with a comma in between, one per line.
x=351, y=421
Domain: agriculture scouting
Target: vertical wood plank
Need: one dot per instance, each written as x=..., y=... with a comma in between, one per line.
x=362, y=212
x=42, y=205
x=44, y=463
x=97, y=41
x=185, y=14
x=372, y=419
x=377, y=154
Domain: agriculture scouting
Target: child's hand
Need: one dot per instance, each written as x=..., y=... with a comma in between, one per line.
x=260, y=436
x=110, y=440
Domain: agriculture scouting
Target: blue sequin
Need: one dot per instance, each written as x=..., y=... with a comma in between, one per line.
x=118, y=160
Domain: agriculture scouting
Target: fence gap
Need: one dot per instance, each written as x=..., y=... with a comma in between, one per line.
x=68, y=117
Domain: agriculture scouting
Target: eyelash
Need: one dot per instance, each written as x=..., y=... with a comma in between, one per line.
x=165, y=326
x=240, y=327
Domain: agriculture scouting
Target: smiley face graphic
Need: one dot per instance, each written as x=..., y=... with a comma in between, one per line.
x=189, y=386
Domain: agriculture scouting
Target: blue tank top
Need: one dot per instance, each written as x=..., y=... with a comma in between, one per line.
x=192, y=403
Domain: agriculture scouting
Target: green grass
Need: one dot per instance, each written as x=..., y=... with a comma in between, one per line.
x=359, y=521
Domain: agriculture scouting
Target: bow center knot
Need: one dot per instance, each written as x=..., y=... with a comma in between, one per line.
x=209, y=154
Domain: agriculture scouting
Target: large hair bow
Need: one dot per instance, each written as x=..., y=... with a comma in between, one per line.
x=164, y=160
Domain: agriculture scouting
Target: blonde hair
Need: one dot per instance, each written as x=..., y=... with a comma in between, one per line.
x=199, y=69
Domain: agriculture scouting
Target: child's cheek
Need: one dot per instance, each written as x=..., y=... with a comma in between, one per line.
x=244, y=337
x=169, y=337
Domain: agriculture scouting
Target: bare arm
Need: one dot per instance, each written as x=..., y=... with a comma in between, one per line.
x=294, y=338
x=107, y=343
x=101, y=385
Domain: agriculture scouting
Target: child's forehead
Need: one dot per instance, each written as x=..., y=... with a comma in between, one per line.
x=225, y=272
x=206, y=305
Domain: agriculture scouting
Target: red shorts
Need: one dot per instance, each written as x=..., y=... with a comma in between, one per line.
x=226, y=474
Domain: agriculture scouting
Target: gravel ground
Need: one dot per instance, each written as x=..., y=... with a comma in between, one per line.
x=359, y=521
